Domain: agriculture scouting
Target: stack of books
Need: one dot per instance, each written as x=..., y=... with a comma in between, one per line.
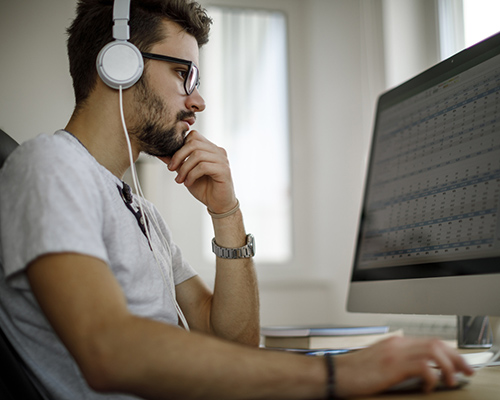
x=325, y=337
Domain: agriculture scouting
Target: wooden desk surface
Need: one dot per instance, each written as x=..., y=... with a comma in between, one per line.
x=484, y=385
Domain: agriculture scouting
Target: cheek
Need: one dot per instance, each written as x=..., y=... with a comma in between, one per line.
x=164, y=82
x=155, y=78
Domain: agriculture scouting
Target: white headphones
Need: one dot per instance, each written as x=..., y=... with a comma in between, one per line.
x=120, y=63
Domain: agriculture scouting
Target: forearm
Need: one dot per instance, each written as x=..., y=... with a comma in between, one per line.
x=175, y=364
x=234, y=310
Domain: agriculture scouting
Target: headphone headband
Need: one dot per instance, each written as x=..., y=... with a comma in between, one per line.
x=121, y=16
x=120, y=63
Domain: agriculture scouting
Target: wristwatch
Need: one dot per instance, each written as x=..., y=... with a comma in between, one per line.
x=246, y=251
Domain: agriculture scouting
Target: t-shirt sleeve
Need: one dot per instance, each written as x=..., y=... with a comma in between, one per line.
x=51, y=206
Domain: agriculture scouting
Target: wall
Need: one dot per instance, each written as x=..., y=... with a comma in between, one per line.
x=410, y=32
x=35, y=86
x=338, y=59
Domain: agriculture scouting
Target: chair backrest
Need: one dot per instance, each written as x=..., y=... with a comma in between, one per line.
x=7, y=145
x=14, y=381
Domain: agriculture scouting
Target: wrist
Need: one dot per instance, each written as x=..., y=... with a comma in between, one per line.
x=226, y=214
x=230, y=230
x=246, y=251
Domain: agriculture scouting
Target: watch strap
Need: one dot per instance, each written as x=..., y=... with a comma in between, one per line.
x=246, y=251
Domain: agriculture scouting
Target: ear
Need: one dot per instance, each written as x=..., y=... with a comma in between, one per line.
x=120, y=63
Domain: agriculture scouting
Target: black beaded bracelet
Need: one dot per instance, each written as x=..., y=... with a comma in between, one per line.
x=330, y=369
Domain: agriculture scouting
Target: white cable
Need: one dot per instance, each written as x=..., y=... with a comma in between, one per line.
x=152, y=217
x=155, y=222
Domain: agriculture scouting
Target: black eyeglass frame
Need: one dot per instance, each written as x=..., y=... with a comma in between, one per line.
x=192, y=66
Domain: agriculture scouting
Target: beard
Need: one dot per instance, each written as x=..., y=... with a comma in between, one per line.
x=154, y=136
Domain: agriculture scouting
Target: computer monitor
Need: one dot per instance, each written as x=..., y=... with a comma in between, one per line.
x=429, y=232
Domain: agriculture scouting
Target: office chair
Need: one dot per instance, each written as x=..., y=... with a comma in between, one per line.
x=14, y=381
x=7, y=145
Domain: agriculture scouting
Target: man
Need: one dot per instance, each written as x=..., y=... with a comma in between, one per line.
x=93, y=289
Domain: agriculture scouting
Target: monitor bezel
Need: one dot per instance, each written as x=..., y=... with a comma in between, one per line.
x=446, y=69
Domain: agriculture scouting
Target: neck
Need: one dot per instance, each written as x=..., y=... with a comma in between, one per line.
x=99, y=128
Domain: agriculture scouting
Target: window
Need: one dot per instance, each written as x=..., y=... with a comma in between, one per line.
x=463, y=23
x=480, y=20
x=246, y=92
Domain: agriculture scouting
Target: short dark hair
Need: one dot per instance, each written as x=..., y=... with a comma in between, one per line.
x=92, y=29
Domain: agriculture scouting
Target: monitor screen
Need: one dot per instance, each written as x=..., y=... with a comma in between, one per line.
x=430, y=223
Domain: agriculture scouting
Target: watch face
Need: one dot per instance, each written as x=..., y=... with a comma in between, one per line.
x=251, y=244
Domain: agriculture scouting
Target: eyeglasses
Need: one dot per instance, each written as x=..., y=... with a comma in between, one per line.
x=192, y=78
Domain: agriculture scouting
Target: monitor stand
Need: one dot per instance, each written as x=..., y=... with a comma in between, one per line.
x=493, y=353
x=495, y=346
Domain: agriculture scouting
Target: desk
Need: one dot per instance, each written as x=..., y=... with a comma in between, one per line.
x=484, y=385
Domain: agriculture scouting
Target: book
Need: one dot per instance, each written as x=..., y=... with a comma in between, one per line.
x=312, y=338
x=287, y=331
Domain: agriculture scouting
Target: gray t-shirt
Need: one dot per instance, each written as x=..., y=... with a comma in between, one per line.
x=55, y=197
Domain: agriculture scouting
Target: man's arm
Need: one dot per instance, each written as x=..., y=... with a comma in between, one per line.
x=232, y=311
x=119, y=352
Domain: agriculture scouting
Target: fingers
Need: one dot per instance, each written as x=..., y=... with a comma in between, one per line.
x=433, y=353
x=204, y=169
x=201, y=164
x=438, y=361
x=397, y=359
x=194, y=141
x=442, y=356
x=199, y=157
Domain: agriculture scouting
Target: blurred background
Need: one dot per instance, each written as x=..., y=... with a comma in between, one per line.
x=291, y=88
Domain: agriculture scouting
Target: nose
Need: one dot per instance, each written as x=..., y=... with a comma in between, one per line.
x=195, y=102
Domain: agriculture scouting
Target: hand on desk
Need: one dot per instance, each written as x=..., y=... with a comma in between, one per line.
x=391, y=361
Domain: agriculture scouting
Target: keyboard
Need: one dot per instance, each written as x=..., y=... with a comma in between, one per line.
x=476, y=360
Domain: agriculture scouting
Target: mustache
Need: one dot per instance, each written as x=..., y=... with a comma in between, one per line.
x=183, y=114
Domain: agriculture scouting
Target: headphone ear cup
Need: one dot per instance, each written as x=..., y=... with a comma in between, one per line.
x=120, y=63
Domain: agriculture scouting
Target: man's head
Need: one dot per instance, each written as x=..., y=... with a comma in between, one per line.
x=160, y=111
x=92, y=29
x=161, y=108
